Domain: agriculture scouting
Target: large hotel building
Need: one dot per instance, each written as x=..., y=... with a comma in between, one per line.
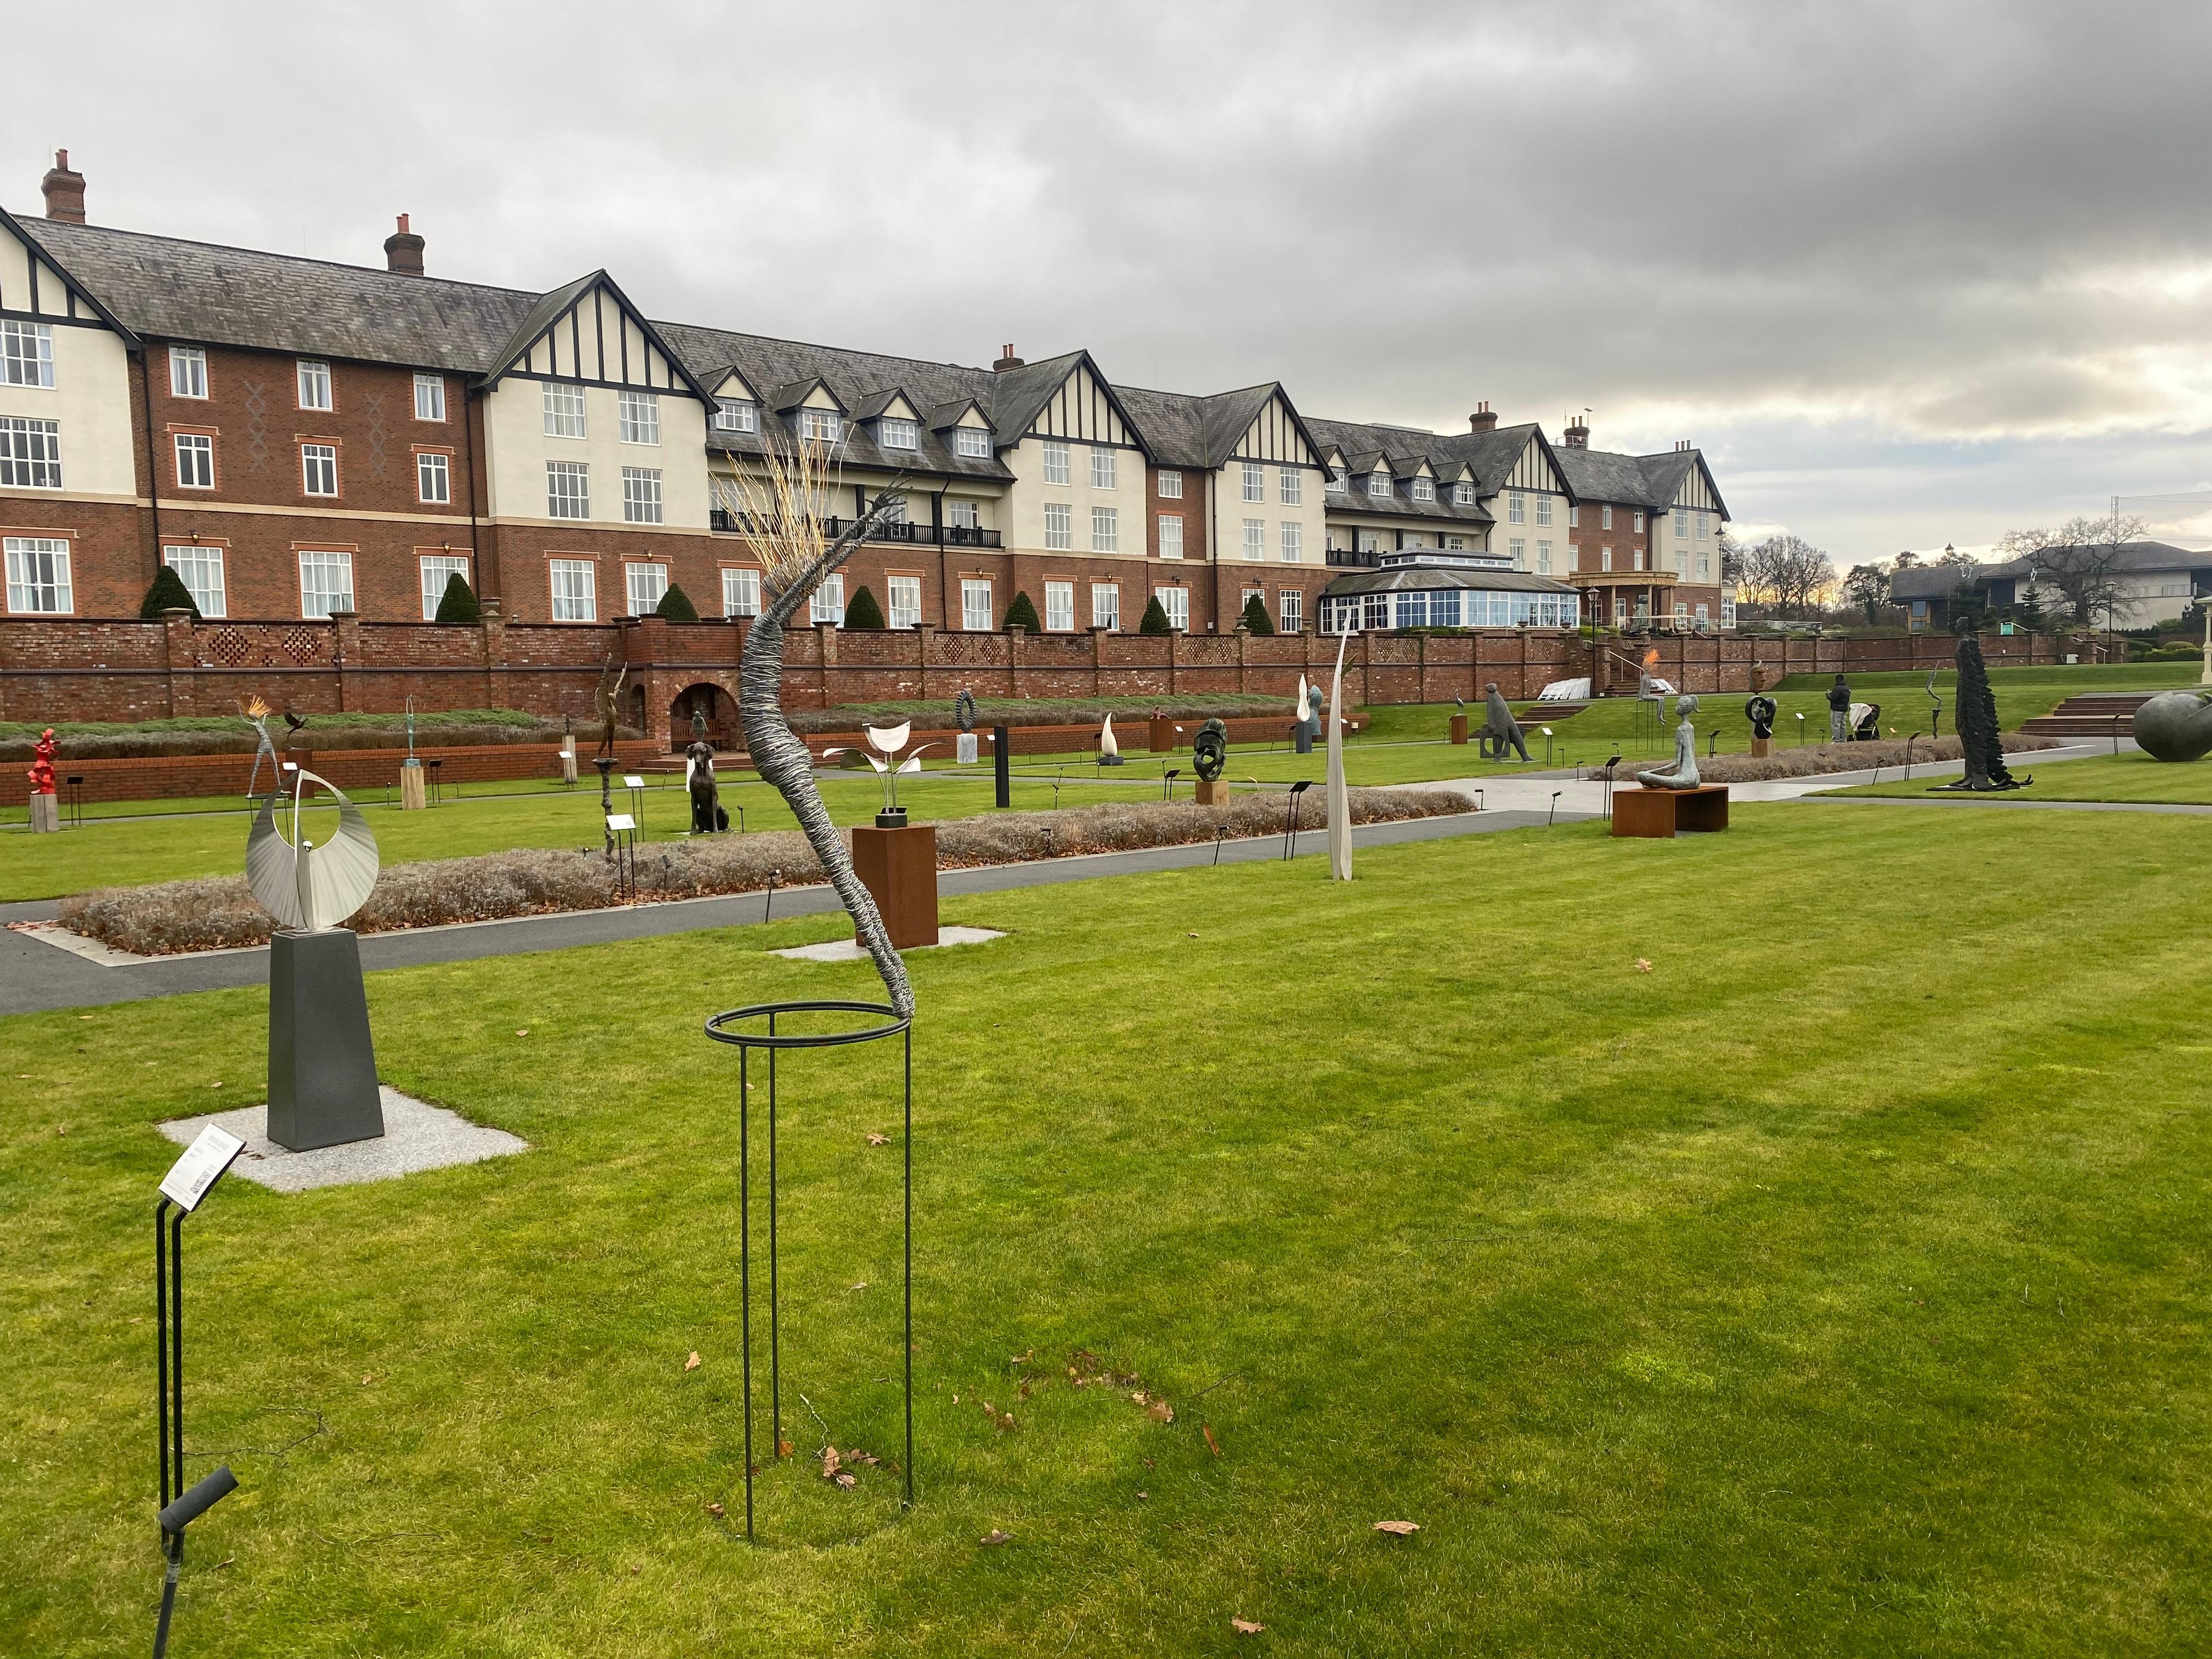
x=299, y=438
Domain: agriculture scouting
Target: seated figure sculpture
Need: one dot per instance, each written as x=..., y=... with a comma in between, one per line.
x=1500, y=731
x=709, y=816
x=1683, y=774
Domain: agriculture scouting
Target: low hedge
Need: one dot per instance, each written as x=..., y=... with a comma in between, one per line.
x=1815, y=759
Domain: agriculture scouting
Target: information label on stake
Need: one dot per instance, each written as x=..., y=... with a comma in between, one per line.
x=621, y=821
x=631, y=780
x=207, y=1158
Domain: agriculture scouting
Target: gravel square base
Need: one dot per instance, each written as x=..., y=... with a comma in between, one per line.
x=416, y=1136
x=849, y=950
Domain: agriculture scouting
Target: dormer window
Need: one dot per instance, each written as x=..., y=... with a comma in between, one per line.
x=736, y=415
x=972, y=440
x=1462, y=495
x=1378, y=483
x=820, y=426
x=1339, y=481
x=1425, y=489
x=894, y=434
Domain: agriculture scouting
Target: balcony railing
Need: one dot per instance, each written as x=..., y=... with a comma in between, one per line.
x=739, y=524
x=1367, y=559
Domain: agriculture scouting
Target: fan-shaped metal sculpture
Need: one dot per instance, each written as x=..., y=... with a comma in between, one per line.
x=302, y=885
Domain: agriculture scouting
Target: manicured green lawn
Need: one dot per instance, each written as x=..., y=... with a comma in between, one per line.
x=1836, y=1286
x=2129, y=776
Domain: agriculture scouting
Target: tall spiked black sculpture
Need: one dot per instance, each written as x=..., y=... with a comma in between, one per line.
x=1977, y=719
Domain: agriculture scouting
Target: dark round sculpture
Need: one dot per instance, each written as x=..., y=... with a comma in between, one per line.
x=963, y=710
x=1209, y=751
x=1760, y=712
x=2175, y=725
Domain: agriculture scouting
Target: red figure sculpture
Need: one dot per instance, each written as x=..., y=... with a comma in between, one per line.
x=42, y=766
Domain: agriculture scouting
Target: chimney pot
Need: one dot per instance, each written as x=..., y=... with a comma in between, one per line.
x=402, y=250
x=1006, y=359
x=1482, y=420
x=65, y=190
x=1577, y=434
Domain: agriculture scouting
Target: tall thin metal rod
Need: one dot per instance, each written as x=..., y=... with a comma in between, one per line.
x=908, y=1138
x=774, y=1294
x=162, y=1342
x=177, y=1347
x=746, y=1264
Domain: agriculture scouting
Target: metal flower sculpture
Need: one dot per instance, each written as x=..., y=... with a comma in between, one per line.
x=303, y=886
x=882, y=753
x=779, y=506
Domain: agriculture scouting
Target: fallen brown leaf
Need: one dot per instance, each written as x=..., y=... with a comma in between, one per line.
x=784, y=1449
x=830, y=1463
x=994, y=1536
x=1245, y=1627
x=366, y=1381
x=1160, y=1412
x=1398, y=1528
x=875, y=1140
x=524, y=1031
x=1190, y=936
x=1643, y=964
x=714, y=1510
x=1211, y=1444
x=846, y=1478
x=692, y=1363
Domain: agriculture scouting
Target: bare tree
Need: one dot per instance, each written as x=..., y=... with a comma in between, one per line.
x=2078, y=562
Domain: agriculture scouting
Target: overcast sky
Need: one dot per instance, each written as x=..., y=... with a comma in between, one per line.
x=1910, y=274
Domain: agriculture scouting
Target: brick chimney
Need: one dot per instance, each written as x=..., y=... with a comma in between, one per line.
x=402, y=250
x=1577, y=434
x=1006, y=359
x=65, y=190
x=1482, y=420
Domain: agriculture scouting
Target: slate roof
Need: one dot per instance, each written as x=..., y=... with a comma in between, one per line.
x=1439, y=576
x=1368, y=448
x=1934, y=582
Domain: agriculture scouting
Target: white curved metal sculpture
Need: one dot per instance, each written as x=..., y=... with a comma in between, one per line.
x=305, y=886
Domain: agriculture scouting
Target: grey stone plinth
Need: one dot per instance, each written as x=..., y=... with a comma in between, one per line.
x=45, y=814
x=417, y=1136
x=322, y=1063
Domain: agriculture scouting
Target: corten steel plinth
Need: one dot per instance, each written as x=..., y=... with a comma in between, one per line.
x=1212, y=791
x=741, y=1028
x=1459, y=728
x=898, y=866
x=322, y=1062
x=1159, y=735
x=1661, y=814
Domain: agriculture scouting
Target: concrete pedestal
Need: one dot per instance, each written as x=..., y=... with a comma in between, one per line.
x=322, y=1063
x=899, y=869
x=1215, y=793
x=1761, y=748
x=963, y=749
x=411, y=796
x=567, y=760
x=1459, y=728
x=45, y=813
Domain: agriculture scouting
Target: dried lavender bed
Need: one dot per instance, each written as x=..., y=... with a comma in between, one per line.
x=218, y=913
x=1817, y=759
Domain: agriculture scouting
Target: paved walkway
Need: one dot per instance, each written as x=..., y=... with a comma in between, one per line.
x=35, y=975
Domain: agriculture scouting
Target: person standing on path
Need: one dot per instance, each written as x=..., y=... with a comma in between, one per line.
x=1840, y=711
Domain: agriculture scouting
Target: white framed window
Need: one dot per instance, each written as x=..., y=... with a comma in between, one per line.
x=1605, y=518
x=976, y=603
x=576, y=585
x=195, y=461
x=1619, y=610
x=318, y=468
x=741, y=590
x=906, y=601
x=1605, y=558
x=1290, y=610
x=637, y=417
x=30, y=452
x=1058, y=526
x=1292, y=538
x=1367, y=541
x=26, y=353
x=1171, y=535
x=564, y=409
x=1574, y=516
x=1681, y=561
x=1425, y=489
x=1456, y=543
x=1339, y=481
x=1245, y=597
x=38, y=575
x=1290, y=487
x=1106, y=606
x=1055, y=461
x=647, y=582
x=1727, y=607
x=821, y=426
x=434, y=478
x=1519, y=549
x=325, y=582
x=1105, y=530
x=736, y=415
x=439, y=570
x=1516, y=508
x=1175, y=601
x=1705, y=564
x=966, y=514
x=568, y=490
x=1681, y=524
x=974, y=441
x=1639, y=526
x=1059, y=607
x=1170, y=486
x=1543, y=558
x=200, y=569
x=1702, y=526
x=827, y=604
x=1101, y=469
x=429, y=397
x=314, y=380
x=894, y=434
x=188, y=375
x=642, y=495
x=1255, y=482
x=1636, y=559
x=1705, y=617
x=1256, y=539
x=1543, y=509
x=1378, y=484
x=1681, y=610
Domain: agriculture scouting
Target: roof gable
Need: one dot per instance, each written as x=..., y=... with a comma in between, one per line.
x=34, y=283
x=588, y=330
x=1063, y=397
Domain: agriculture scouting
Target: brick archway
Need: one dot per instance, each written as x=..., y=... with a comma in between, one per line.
x=714, y=697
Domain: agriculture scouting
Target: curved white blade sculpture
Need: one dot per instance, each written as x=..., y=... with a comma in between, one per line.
x=303, y=886
x=1339, y=798
x=888, y=740
x=1107, y=746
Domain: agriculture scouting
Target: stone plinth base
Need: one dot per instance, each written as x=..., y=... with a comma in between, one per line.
x=1661, y=814
x=45, y=813
x=1761, y=748
x=411, y=796
x=899, y=869
x=322, y=1063
x=1215, y=793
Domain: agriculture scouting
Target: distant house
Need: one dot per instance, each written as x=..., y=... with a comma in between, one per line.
x=2154, y=583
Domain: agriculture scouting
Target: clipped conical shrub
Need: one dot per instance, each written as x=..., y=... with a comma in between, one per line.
x=168, y=592
x=1021, y=613
x=1155, y=618
x=676, y=605
x=1255, y=618
x=862, y=610
x=457, y=605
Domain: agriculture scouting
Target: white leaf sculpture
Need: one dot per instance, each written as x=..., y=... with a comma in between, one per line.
x=303, y=886
x=888, y=740
x=1305, y=697
x=1107, y=746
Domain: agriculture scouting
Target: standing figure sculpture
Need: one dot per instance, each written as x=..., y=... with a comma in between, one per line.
x=256, y=713
x=1683, y=774
x=1840, y=711
x=1977, y=721
x=1306, y=716
x=1935, y=714
x=606, y=699
x=1500, y=731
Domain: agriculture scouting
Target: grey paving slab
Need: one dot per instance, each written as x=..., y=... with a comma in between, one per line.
x=416, y=1136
